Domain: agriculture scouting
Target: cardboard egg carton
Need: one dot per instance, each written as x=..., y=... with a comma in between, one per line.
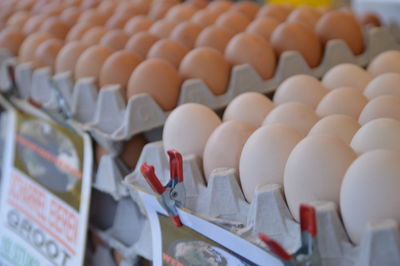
x=105, y=113
x=221, y=202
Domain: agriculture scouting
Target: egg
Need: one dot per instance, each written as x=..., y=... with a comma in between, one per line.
x=138, y=24
x=385, y=62
x=51, y=9
x=68, y=56
x=369, y=19
x=117, y=21
x=264, y=157
x=263, y=26
x=107, y=7
x=118, y=68
x=164, y=89
x=307, y=16
x=383, y=106
x=381, y=133
x=18, y=19
x=115, y=39
x=34, y=23
x=76, y=32
x=198, y=3
x=219, y=7
x=46, y=53
x=55, y=27
x=93, y=17
x=340, y=25
x=216, y=37
x=249, y=107
x=162, y=28
x=186, y=34
x=159, y=10
x=11, y=40
x=180, y=13
x=345, y=100
x=248, y=48
x=70, y=15
x=129, y=8
x=278, y=12
x=233, y=21
x=94, y=35
x=370, y=192
x=296, y=115
x=247, y=8
x=346, y=75
x=188, y=128
x=317, y=172
x=204, y=18
x=341, y=126
x=302, y=89
x=224, y=146
x=29, y=46
x=91, y=61
x=209, y=65
x=384, y=84
x=132, y=150
x=294, y=36
x=141, y=43
x=168, y=50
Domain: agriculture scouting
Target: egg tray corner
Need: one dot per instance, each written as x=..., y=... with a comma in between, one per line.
x=106, y=115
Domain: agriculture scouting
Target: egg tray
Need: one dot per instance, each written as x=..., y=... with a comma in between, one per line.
x=106, y=115
x=221, y=202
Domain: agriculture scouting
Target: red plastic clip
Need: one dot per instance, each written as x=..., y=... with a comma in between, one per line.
x=175, y=165
x=274, y=246
x=151, y=178
x=308, y=220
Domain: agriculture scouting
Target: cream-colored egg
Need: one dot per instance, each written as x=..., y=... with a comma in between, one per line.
x=384, y=84
x=188, y=127
x=383, y=106
x=381, y=133
x=68, y=56
x=224, y=146
x=300, y=88
x=341, y=126
x=296, y=115
x=264, y=156
x=385, y=62
x=370, y=191
x=250, y=107
x=345, y=101
x=346, y=75
x=313, y=174
x=91, y=61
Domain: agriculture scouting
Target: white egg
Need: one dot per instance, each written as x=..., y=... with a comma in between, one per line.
x=380, y=107
x=346, y=75
x=385, y=62
x=384, y=84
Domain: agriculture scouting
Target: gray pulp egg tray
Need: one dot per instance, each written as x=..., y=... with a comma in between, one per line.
x=124, y=224
x=105, y=114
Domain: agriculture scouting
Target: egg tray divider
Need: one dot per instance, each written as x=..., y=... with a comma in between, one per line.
x=222, y=202
x=105, y=114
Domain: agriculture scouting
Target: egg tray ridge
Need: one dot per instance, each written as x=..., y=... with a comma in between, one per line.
x=106, y=115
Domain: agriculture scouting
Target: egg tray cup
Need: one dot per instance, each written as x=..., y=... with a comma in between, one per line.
x=105, y=114
x=221, y=202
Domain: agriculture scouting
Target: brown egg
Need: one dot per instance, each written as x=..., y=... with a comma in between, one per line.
x=248, y=48
x=68, y=56
x=164, y=89
x=70, y=15
x=171, y=51
x=107, y=7
x=294, y=36
x=162, y=28
x=138, y=24
x=34, y=23
x=25, y=4
x=129, y=9
x=216, y=37
x=55, y=27
x=369, y=19
x=263, y=26
x=11, y=40
x=115, y=39
x=141, y=43
x=93, y=17
x=199, y=4
x=159, y=10
x=18, y=19
x=186, y=33
x=89, y=4
x=117, y=21
x=233, y=21
x=209, y=65
x=204, y=18
x=47, y=52
x=91, y=61
x=118, y=68
x=30, y=44
x=94, y=35
x=219, y=7
x=180, y=13
x=276, y=11
x=132, y=150
x=247, y=8
x=76, y=32
x=306, y=16
x=52, y=9
x=340, y=25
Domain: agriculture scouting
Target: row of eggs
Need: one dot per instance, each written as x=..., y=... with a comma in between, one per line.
x=315, y=156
